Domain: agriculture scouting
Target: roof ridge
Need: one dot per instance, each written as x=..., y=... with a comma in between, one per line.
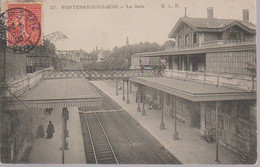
x=212, y=18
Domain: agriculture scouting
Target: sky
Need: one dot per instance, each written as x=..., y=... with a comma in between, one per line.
x=107, y=28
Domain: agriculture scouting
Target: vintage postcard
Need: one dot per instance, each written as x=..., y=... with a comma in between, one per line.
x=169, y=82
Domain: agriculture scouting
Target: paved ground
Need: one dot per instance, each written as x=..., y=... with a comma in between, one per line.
x=49, y=150
x=190, y=149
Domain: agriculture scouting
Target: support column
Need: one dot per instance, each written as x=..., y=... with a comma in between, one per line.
x=162, y=125
x=143, y=110
x=175, y=134
x=203, y=116
x=63, y=135
x=127, y=92
x=171, y=105
x=217, y=110
x=138, y=94
x=123, y=89
x=116, y=86
x=130, y=87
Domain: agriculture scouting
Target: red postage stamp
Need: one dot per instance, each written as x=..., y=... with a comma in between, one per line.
x=23, y=24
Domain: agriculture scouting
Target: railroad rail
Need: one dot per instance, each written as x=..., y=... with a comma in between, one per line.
x=147, y=148
x=133, y=136
x=98, y=147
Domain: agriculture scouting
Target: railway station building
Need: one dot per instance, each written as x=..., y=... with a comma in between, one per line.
x=209, y=80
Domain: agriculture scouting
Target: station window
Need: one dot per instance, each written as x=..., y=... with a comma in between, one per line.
x=233, y=34
x=187, y=39
x=179, y=41
x=194, y=38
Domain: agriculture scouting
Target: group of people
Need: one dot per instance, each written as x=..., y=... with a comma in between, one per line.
x=50, y=130
x=159, y=68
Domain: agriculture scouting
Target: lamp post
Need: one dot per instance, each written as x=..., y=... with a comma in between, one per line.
x=162, y=125
x=217, y=110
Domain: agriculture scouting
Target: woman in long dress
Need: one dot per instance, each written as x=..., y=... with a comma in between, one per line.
x=50, y=130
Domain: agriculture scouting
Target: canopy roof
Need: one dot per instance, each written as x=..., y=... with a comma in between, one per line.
x=193, y=91
x=76, y=92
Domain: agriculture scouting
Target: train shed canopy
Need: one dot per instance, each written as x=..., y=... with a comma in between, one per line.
x=76, y=92
x=193, y=91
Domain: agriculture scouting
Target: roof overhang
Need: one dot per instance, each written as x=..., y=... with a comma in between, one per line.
x=177, y=25
x=185, y=90
x=236, y=23
x=77, y=92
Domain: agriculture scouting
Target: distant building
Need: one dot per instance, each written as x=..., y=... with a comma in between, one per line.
x=36, y=63
x=74, y=55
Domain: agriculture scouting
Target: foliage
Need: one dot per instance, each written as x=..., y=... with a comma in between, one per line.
x=119, y=57
x=47, y=49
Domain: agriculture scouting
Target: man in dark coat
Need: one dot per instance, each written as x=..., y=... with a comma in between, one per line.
x=50, y=130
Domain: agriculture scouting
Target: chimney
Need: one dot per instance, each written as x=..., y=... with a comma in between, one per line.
x=210, y=13
x=246, y=15
x=185, y=14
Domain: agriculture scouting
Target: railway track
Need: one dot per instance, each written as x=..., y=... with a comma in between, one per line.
x=98, y=149
x=115, y=138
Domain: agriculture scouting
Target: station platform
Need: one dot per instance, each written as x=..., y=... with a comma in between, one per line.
x=48, y=151
x=189, y=149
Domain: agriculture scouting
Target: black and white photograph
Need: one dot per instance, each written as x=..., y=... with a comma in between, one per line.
x=137, y=82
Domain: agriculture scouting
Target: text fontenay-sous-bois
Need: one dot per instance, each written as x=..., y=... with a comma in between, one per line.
x=110, y=6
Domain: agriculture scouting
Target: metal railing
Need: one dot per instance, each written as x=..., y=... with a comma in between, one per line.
x=20, y=86
x=241, y=82
x=98, y=74
x=208, y=43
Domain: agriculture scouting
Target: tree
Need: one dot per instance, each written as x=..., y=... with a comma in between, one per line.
x=168, y=43
x=47, y=49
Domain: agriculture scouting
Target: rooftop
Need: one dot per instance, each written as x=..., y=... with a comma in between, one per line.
x=61, y=93
x=194, y=91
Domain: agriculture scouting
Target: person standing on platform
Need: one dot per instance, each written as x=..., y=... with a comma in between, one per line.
x=50, y=130
x=142, y=69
